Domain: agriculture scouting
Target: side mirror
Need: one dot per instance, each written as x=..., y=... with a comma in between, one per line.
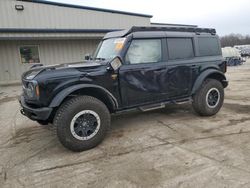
x=115, y=64
x=88, y=57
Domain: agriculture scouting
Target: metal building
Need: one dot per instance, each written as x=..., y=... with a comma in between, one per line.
x=36, y=31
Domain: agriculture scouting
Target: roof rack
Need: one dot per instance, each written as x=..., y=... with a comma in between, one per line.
x=179, y=29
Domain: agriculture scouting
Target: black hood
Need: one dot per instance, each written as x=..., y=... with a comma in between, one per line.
x=33, y=72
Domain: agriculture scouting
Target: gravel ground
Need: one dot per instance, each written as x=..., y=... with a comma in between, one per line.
x=171, y=147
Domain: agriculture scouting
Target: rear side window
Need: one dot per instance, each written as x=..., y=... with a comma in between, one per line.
x=180, y=48
x=208, y=46
x=144, y=51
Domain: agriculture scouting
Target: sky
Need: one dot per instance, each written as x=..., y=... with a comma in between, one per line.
x=227, y=16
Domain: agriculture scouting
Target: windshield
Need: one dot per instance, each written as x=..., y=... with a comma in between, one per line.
x=109, y=48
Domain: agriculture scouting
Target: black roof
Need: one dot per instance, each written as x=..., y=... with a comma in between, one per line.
x=179, y=29
x=196, y=30
x=86, y=8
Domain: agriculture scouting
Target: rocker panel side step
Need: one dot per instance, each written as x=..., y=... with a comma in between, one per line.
x=152, y=107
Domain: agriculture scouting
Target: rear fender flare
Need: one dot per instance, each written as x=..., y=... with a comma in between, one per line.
x=206, y=74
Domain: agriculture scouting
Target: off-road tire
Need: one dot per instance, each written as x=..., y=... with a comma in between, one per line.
x=65, y=115
x=200, y=104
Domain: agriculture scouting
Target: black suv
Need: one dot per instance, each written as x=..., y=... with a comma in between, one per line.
x=141, y=68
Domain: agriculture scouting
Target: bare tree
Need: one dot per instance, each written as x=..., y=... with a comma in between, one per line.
x=234, y=39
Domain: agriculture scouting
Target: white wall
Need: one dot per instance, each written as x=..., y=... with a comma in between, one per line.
x=37, y=15
x=41, y=16
x=51, y=52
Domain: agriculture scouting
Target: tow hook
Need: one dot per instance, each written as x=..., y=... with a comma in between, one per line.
x=22, y=112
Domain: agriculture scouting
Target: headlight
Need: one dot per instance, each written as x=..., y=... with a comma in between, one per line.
x=32, y=90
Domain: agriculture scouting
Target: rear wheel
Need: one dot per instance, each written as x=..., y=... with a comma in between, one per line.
x=82, y=123
x=208, y=100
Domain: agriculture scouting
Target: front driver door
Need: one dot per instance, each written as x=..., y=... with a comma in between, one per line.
x=143, y=78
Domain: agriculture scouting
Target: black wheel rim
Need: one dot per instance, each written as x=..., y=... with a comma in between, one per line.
x=213, y=97
x=85, y=125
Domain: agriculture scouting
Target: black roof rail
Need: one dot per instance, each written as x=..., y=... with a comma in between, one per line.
x=179, y=29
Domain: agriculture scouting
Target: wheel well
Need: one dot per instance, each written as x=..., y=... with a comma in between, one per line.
x=219, y=77
x=215, y=75
x=97, y=93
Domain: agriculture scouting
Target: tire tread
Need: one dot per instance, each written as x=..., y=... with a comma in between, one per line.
x=65, y=108
x=199, y=104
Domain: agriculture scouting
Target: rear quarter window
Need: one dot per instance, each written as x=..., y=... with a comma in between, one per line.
x=208, y=46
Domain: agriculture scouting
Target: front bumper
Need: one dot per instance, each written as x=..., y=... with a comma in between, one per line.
x=42, y=113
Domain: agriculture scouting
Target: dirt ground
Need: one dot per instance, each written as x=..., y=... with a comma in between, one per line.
x=171, y=147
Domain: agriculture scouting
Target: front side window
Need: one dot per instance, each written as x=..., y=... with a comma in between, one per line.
x=144, y=51
x=109, y=48
x=180, y=48
x=29, y=54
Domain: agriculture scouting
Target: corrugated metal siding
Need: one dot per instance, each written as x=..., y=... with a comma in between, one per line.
x=51, y=52
x=47, y=16
x=43, y=36
x=41, y=16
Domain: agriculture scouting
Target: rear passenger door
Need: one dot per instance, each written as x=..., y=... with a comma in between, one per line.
x=179, y=66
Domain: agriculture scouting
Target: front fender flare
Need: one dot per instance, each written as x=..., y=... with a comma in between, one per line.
x=205, y=75
x=58, y=99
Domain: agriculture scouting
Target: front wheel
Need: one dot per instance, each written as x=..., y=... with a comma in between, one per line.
x=82, y=123
x=208, y=100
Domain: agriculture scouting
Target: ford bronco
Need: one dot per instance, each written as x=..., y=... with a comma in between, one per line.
x=141, y=68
